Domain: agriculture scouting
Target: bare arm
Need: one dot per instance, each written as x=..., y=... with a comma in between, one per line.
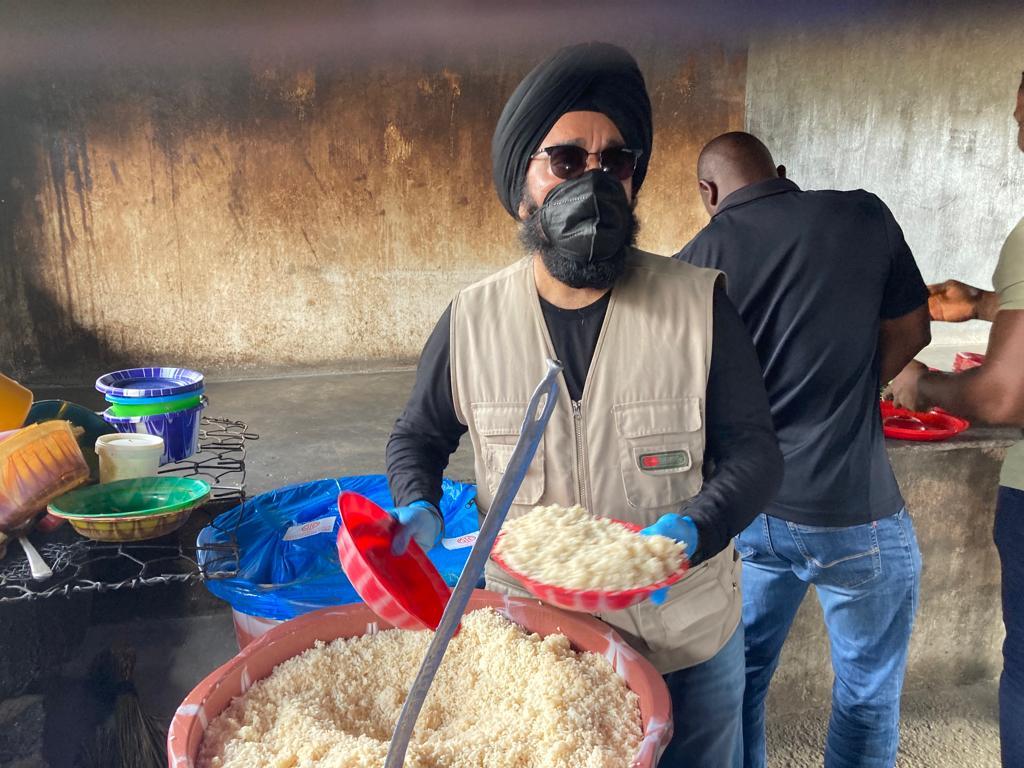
x=992, y=393
x=900, y=338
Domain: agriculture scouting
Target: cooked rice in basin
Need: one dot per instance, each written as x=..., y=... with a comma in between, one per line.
x=502, y=698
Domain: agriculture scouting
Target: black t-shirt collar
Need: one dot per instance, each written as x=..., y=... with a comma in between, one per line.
x=756, y=191
x=593, y=308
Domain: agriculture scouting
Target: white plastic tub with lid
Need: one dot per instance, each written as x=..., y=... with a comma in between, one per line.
x=124, y=456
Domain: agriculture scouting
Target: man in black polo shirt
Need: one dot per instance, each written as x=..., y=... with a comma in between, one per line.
x=830, y=293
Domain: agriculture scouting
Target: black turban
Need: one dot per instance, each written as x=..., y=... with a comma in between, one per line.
x=596, y=77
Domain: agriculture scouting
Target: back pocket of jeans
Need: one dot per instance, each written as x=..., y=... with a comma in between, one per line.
x=842, y=557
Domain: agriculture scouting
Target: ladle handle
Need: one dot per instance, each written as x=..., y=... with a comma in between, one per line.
x=534, y=423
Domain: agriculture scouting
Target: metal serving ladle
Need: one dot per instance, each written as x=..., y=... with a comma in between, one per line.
x=526, y=446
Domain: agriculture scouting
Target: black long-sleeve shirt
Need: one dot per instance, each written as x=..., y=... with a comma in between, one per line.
x=742, y=462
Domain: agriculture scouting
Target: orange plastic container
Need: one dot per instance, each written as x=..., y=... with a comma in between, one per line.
x=258, y=659
x=15, y=402
x=37, y=464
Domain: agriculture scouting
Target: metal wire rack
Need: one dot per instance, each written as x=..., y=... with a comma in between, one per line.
x=81, y=565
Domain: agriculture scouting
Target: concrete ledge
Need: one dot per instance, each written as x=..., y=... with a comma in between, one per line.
x=950, y=489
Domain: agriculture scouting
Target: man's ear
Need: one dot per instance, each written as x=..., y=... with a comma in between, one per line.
x=709, y=191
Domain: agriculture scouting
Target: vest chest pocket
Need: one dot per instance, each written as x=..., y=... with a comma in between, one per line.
x=661, y=451
x=498, y=426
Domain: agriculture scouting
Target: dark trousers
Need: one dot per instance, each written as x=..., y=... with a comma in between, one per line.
x=1009, y=538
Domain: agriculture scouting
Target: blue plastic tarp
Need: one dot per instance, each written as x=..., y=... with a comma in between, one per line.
x=287, y=552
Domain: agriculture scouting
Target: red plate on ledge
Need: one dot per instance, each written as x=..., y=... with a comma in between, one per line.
x=929, y=426
x=589, y=600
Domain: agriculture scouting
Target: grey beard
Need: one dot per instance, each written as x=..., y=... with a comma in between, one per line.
x=598, y=275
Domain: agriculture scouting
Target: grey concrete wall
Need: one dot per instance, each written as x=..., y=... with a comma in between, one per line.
x=262, y=216
x=950, y=491
x=917, y=110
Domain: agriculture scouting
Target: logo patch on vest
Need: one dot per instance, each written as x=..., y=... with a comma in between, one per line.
x=663, y=461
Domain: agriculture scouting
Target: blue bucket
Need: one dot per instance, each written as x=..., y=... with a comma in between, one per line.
x=180, y=430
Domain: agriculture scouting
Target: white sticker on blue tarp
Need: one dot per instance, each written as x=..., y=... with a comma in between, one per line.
x=312, y=528
x=460, y=542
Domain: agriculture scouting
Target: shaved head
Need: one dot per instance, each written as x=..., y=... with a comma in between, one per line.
x=736, y=153
x=730, y=162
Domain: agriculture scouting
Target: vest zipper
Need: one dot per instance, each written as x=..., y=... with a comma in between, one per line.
x=577, y=423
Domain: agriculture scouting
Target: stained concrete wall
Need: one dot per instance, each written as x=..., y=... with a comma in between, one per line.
x=261, y=217
x=917, y=110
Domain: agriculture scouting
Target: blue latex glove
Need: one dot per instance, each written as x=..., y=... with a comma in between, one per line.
x=419, y=521
x=677, y=527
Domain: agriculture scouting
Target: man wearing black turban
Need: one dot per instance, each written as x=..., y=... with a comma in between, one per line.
x=595, y=78
x=662, y=420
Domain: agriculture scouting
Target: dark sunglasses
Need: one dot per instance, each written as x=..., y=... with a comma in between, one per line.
x=569, y=161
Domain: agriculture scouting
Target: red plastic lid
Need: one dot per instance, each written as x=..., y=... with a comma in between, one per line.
x=901, y=424
x=404, y=590
x=589, y=600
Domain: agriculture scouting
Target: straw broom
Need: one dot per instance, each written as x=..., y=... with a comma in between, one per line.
x=128, y=737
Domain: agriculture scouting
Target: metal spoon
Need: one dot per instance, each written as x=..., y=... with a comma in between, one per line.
x=40, y=570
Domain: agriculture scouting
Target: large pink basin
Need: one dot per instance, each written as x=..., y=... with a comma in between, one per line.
x=258, y=659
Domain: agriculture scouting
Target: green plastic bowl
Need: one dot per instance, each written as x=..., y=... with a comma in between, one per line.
x=154, y=409
x=138, y=497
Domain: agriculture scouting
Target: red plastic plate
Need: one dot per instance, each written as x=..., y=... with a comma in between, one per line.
x=928, y=426
x=404, y=590
x=589, y=600
x=964, y=361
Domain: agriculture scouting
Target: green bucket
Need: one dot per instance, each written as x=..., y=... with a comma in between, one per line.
x=154, y=409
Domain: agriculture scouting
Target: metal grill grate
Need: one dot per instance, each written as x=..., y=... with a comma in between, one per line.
x=81, y=565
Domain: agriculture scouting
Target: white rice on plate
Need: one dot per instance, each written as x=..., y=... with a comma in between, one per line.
x=570, y=548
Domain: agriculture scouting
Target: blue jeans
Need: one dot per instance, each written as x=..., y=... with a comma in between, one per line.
x=707, y=706
x=867, y=579
x=1009, y=536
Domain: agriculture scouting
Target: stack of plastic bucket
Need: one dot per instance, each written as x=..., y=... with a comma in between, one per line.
x=167, y=402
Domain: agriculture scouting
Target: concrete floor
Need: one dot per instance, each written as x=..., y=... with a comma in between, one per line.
x=953, y=727
x=947, y=728
x=320, y=426
x=172, y=656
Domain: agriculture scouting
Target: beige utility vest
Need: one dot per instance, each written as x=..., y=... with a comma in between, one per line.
x=644, y=397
